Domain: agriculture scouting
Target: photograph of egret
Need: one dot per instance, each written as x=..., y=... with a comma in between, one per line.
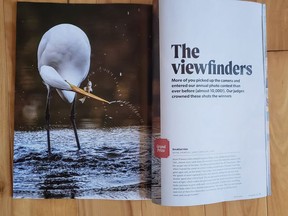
x=82, y=101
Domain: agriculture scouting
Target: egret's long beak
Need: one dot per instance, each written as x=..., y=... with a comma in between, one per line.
x=81, y=91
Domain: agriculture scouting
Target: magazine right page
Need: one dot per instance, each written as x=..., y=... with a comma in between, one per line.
x=212, y=144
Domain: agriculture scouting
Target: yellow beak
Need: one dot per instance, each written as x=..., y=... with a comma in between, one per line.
x=81, y=91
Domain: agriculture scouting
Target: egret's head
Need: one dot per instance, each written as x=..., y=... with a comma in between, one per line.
x=53, y=79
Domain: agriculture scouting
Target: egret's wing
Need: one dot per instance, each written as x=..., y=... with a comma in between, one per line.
x=53, y=79
x=67, y=96
x=41, y=49
x=64, y=54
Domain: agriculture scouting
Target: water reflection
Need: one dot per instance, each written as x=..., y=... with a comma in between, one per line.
x=109, y=165
x=59, y=182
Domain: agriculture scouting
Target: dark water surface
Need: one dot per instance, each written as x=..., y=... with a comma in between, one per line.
x=112, y=163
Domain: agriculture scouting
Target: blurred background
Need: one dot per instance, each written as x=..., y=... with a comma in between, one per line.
x=120, y=70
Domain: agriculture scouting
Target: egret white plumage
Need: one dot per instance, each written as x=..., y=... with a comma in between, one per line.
x=63, y=63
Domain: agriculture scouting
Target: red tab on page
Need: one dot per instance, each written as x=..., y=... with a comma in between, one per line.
x=161, y=148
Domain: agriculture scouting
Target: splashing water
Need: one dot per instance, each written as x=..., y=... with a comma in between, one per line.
x=109, y=73
x=125, y=104
x=129, y=106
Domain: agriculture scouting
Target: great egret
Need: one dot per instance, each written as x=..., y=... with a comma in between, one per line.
x=63, y=63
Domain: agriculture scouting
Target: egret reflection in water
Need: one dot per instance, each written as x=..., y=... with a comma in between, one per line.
x=110, y=166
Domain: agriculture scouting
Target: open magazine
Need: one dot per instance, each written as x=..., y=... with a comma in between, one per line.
x=127, y=101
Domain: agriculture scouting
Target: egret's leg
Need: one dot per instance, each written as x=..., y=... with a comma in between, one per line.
x=72, y=118
x=47, y=118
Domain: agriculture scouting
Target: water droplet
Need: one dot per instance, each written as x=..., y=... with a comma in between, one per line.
x=131, y=107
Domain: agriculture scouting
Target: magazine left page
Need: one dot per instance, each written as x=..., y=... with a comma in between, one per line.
x=82, y=86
